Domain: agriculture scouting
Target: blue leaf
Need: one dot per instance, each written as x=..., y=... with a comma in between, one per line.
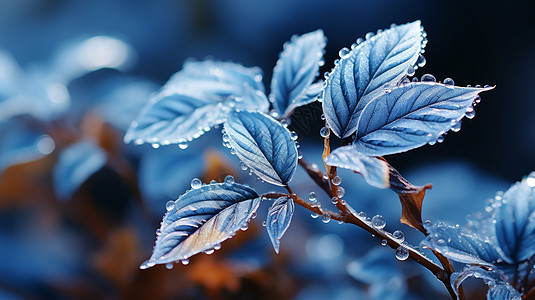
x=75, y=165
x=278, y=219
x=311, y=95
x=374, y=170
x=195, y=99
x=296, y=69
x=514, y=221
x=411, y=115
x=201, y=219
x=20, y=143
x=365, y=71
x=503, y=290
x=497, y=286
x=461, y=246
x=264, y=145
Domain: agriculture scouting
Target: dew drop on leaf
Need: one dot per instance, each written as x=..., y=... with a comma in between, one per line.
x=326, y=218
x=384, y=243
x=293, y=135
x=449, y=81
x=428, y=78
x=243, y=166
x=170, y=205
x=196, y=183
x=334, y=200
x=470, y=112
x=312, y=197
x=183, y=145
x=169, y=266
x=185, y=262
x=229, y=179
x=314, y=215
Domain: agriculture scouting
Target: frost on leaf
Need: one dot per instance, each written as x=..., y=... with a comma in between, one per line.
x=365, y=71
x=278, y=219
x=264, y=145
x=201, y=219
x=195, y=99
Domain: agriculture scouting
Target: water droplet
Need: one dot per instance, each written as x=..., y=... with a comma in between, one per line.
x=384, y=243
x=169, y=266
x=343, y=52
x=440, y=139
x=229, y=179
x=244, y=227
x=264, y=223
x=147, y=264
x=185, y=262
x=322, y=117
x=196, y=183
x=209, y=251
x=326, y=75
x=334, y=200
x=326, y=218
x=456, y=126
x=378, y=222
x=415, y=79
x=359, y=41
x=312, y=197
x=362, y=215
x=341, y=192
x=325, y=132
x=217, y=247
x=155, y=146
x=470, y=112
x=411, y=71
x=477, y=100
x=441, y=242
x=314, y=215
x=293, y=135
x=449, y=81
x=336, y=180
x=369, y=35
x=243, y=166
x=530, y=181
x=183, y=145
x=399, y=236
x=402, y=253
x=421, y=61
x=428, y=78
x=170, y=205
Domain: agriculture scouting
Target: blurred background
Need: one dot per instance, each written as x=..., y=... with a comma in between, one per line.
x=78, y=208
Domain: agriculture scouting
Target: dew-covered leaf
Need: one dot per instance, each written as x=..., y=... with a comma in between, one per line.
x=374, y=170
x=195, y=99
x=490, y=277
x=295, y=71
x=461, y=246
x=201, y=219
x=412, y=115
x=264, y=145
x=503, y=290
x=278, y=219
x=514, y=221
x=364, y=72
x=21, y=143
x=75, y=165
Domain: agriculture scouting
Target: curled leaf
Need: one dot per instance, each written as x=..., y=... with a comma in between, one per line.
x=278, y=219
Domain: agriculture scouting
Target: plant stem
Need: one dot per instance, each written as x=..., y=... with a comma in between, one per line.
x=348, y=215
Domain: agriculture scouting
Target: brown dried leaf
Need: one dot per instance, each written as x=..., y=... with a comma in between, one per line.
x=411, y=197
